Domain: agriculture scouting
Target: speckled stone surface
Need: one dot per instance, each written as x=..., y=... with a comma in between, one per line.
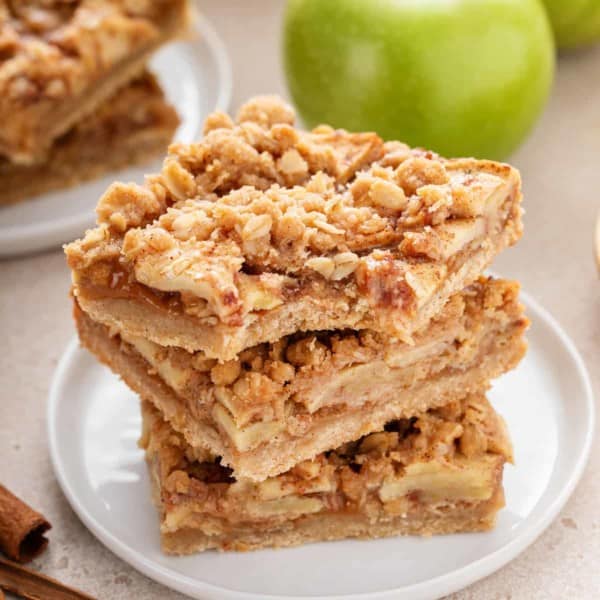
x=560, y=164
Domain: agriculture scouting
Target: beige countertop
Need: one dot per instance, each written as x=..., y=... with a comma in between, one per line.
x=560, y=164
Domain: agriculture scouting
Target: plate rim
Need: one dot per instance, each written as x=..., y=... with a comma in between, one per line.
x=24, y=236
x=431, y=588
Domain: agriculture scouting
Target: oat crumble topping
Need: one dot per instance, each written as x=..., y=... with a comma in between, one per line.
x=234, y=221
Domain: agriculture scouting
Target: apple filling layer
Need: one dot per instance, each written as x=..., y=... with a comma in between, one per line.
x=437, y=472
x=261, y=230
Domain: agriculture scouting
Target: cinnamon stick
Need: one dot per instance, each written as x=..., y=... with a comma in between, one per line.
x=21, y=528
x=28, y=584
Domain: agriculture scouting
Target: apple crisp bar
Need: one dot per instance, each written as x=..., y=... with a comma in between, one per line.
x=260, y=230
x=277, y=404
x=132, y=127
x=60, y=59
x=435, y=473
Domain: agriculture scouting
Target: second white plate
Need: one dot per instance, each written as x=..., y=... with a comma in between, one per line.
x=196, y=77
x=94, y=422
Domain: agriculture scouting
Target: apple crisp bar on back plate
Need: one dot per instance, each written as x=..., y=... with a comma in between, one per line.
x=61, y=60
x=132, y=127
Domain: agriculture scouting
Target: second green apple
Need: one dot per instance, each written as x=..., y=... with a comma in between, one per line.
x=575, y=22
x=462, y=77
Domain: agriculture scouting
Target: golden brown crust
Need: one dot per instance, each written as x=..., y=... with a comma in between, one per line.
x=258, y=215
x=448, y=460
x=60, y=59
x=132, y=127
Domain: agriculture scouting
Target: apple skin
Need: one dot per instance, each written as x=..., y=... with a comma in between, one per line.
x=462, y=77
x=575, y=22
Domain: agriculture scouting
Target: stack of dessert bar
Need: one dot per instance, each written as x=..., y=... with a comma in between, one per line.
x=305, y=319
x=76, y=99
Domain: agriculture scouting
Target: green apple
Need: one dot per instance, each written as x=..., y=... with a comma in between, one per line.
x=462, y=77
x=575, y=22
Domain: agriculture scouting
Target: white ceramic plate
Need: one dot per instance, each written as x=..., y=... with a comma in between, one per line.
x=94, y=422
x=196, y=77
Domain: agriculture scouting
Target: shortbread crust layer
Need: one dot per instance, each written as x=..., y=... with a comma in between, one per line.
x=260, y=431
x=132, y=127
x=261, y=230
x=438, y=472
